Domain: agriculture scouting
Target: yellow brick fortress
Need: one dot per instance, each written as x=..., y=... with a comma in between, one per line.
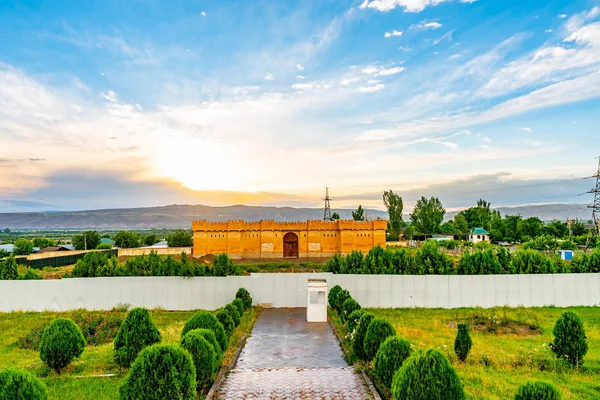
x=270, y=239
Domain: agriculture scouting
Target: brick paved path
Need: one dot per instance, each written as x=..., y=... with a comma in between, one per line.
x=288, y=358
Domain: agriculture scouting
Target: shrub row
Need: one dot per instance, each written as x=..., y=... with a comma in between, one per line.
x=429, y=260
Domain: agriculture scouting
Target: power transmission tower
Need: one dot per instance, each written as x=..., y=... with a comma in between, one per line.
x=327, y=211
x=595, y=206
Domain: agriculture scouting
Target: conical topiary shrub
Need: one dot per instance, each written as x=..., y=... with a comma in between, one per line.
x=203, y=319
x=349, y=306
x=389, y=358
x=62, y=341
x=463, y=342
x=244, y=295
x=537, y=391
x=427, y=375
x=225, y=319
x=239, y=304
x=570, y=341
x=210, y=338
x=137, y=331
x=203, y=354
x=21, y=385
x=358, y=340
x=332, y=296
x=235, y=315
x=353, y=319
x=341, y=297
x=379, y=329
x=161, y=371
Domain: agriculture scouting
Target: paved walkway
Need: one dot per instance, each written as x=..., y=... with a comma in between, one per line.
x=289, y=358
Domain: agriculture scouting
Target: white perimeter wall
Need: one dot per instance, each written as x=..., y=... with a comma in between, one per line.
x=289, y=290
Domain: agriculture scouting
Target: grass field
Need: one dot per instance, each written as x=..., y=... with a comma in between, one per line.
x=499, y=362
x=80, y=380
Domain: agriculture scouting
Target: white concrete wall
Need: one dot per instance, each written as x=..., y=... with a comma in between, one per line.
x=289, y=290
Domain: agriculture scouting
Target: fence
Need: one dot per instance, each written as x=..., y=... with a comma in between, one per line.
x=289, y=290
x=58, y=258
x=158, y=250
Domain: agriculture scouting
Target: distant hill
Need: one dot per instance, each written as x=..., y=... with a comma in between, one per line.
x=545, y=212
x=172, y=216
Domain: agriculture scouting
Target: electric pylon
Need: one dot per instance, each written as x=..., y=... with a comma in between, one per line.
x=327, y=211
x=595, y=206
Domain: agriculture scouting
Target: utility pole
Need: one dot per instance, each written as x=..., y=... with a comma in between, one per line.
x=84, y=242
x=327, y=211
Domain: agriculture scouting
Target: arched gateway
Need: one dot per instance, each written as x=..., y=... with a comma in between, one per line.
x=290, y=245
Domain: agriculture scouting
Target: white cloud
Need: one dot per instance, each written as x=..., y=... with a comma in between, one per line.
x=299, y=67
x=455, y=56
x=303, y=86
x=203, y=14
x=299, y=77
x=348, y=81
x=404, y=49
x=381, y=71
x=371, y=69
x=563, y=16
x=269, y=76
x=486, y=139
x=467, y=1
x=527, y=129
x=408, y=5
x=77, y=107
x=109, y=95
x=371, y=89
x=423, y=25
x=445, y=36
x=373, y=81
x=393, y=33
x=548, y=31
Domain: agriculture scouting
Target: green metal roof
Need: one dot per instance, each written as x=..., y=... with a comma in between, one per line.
x=479, y=231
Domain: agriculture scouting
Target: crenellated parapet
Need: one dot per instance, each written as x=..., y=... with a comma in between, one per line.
x=362, y=225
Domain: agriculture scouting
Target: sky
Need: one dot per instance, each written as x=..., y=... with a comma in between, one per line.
x=115, y=104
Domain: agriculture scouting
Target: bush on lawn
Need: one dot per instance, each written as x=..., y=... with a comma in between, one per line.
x=239, y=304
x=233, y=312
x=21, y=385
x=225, y=319
x=341, y=297
x=427, y=375
x=463, y=342
x=203, y=319
x=223, y=266
x=203, y=354
x=210, y=338
x=390, y=357
x=570, y=342
x=62, y=341
x=161, y=372
x=9, y=270
x=245, y=297
x=537, y=391
x=353, y=319
x=379, y=329
x=359, y=336
x=348, y=307
x=136, y=332
x=332, y=296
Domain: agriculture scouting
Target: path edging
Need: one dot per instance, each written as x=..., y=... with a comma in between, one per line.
x=366, y=379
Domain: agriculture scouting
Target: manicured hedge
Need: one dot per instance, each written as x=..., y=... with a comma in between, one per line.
x=239, y=304
x=210, y=338
x=359, y=336
x=332, y=296
x=21, y=385
x=537, y=391
x=233, y=312
x=244, y=295
x=225, y=319
x=136, y=332
x=570, y=341
x=203, y=354
x=349, y=306
x=203, y=319
x=353, y=318
x=389, y=358
x=463, y=342
x=62, y=341
x=379, y=329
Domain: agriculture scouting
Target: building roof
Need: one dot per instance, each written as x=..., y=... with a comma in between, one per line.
x=54, y=248
x=160, y=245
x=479, y=231
x=9, y=248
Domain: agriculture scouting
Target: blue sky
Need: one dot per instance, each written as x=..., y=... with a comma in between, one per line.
x=140, y=103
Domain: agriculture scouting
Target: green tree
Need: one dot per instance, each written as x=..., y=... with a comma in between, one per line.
x=127, y=240
x=23, y=247
x=427, y=216
x=447, y=228
x=530, y=228
x=570, y=341
x=150, y=240
x=9, y=270
x=180, y=238
x=556, y=228
x=578, y=228
x=359, y=214
x=394, y=205
x=335, y=216
x=42, y=242
x=86, y=241
x=461, y=226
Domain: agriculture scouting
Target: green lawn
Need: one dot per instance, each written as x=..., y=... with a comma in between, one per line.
x=499, y=362
x=80, y=381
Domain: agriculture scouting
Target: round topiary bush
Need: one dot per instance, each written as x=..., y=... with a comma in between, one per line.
x=161, y=372
x=570, y=341
x=203, y=354
x=210, y=338
x=235, y=315
x=225, y=319
x=341, y=297
x=348, y=307
x=332, y=296
x=203, y=319
x=389, y=358
x=353, y=319
x=239, y=304
x=62, y=341
x=537, y=391
x=358, y=340
x=379, y=329
x=21, y=385
x=136, y=332
x=245, y=297
x=463, y=342
x=427, y=375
